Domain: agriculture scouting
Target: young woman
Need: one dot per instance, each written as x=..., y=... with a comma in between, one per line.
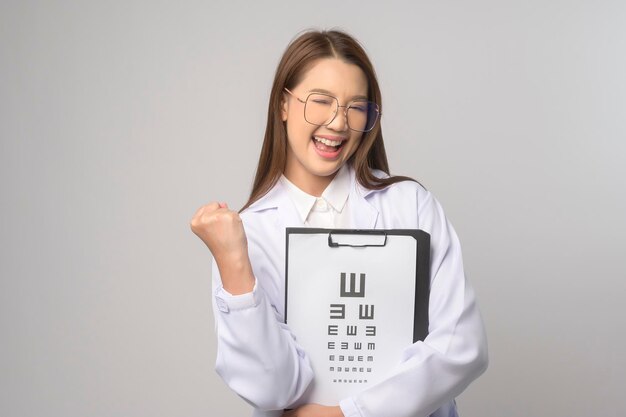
x=323, y=164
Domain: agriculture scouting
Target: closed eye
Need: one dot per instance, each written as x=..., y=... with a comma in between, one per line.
x=321, y=101
x=359, y=108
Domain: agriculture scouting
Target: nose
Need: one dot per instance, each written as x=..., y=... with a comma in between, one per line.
x=340, y=121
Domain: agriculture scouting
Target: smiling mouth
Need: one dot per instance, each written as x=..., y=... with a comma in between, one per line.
x=327, y=145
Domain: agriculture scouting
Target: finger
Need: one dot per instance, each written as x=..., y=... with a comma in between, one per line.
x=223, y=205
x=208, y=208
x=212, y=206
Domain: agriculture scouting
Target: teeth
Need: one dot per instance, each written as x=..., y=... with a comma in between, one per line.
x=327, y=141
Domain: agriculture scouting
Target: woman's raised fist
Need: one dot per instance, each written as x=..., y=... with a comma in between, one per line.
x=221, y=229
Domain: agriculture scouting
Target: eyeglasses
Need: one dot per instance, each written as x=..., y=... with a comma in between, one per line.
x=321, y=109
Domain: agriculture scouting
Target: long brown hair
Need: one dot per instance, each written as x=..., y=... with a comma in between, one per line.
x=299, y=56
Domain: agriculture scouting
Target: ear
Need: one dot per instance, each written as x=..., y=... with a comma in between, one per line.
x=284, y=107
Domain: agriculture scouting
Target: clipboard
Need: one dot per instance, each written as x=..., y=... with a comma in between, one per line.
x=354, y=300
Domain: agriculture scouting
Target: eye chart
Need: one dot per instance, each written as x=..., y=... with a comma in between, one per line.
x=355, y=299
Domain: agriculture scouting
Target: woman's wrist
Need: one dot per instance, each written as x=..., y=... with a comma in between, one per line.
x=236, y=274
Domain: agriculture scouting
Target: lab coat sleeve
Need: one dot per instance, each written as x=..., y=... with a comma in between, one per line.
x=433, y=372
x=257, y=356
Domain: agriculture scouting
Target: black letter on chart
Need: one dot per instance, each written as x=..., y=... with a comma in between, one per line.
x=337, y=311
x=352, y=291
x=366, y=311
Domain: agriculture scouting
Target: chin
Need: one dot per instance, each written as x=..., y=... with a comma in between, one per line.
x=327, y=172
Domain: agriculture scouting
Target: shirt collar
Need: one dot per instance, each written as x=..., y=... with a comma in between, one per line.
x=335, y=194
x=304, y=202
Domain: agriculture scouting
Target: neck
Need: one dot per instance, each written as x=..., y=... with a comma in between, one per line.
x=309, y=183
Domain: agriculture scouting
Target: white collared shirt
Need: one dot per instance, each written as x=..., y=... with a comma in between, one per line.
x=330, y=210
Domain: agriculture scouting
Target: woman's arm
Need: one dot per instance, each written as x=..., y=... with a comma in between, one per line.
x=256, y=354
x=435, y=371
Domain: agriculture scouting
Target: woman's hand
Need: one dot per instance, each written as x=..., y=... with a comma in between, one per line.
x=222, y=231
x=314, y=410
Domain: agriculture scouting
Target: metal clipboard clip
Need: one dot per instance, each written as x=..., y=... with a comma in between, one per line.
x=357, y=239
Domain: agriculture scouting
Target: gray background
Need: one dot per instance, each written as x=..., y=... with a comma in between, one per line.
x=119, y=119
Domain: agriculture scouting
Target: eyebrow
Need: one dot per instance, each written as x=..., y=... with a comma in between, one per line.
x=321, y=90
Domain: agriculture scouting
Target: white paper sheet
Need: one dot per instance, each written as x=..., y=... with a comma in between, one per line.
x=354, y=335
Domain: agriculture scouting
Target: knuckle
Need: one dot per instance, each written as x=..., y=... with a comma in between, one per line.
x=226, y=216
x=212, y=206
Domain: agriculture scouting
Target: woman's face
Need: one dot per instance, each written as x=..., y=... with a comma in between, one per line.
x=311, y=165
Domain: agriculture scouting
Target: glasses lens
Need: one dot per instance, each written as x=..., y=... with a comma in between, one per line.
x=320, y=109
x=362, y=115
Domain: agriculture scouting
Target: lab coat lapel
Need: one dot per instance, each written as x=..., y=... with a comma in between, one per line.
x=278, y=199
x=287, y=212
x=364, y=215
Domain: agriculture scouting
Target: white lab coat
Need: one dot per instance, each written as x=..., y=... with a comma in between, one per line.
x=259, y=358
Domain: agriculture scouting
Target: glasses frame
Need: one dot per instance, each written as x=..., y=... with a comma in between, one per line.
x=345, y=111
